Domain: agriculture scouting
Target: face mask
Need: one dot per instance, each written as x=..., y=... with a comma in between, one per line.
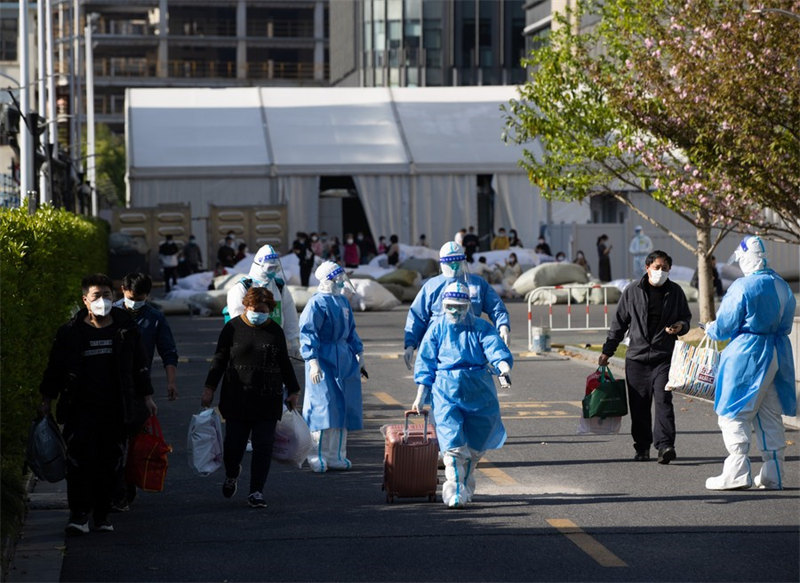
x=101, y=307
x=257, y=318
x=349, y=241
x=658, y=277
x=455, y=314
x=133, y=304
x=313, y=238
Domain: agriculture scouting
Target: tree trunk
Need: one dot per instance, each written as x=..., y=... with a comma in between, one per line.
x=705, y=280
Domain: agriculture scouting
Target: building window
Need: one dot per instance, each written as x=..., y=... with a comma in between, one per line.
x=9, y=33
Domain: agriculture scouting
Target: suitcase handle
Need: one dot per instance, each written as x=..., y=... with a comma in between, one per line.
x=424, y=413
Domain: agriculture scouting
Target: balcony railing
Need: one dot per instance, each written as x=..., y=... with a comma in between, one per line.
x=279, y=29
x=202, y=28
x=280, y=70
x=190, y=69
x=124, y=67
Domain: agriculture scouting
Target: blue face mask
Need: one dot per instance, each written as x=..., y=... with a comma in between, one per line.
x=257, y=318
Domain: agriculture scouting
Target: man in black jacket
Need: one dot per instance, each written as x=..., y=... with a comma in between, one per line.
x=98, y=370
x=655, y=311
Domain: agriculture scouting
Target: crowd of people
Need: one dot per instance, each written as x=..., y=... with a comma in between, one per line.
x=99, y=371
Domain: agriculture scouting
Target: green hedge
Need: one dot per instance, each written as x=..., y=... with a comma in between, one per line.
x=43, y=258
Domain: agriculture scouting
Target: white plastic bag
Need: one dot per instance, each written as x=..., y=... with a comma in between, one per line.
x=599, y=425
x=292, y=439
x=204, y=442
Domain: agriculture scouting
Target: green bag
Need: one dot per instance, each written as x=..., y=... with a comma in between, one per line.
x=609, y=399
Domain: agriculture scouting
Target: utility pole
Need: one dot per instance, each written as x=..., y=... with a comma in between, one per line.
x=90, y=157
x=26, y=138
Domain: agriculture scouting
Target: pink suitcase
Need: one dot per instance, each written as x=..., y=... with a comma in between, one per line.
x=410, y=463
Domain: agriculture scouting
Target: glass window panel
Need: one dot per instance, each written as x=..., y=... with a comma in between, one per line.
x=413, y=9
x=395, y=10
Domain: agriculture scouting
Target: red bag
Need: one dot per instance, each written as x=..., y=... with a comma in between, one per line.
x=147, y=457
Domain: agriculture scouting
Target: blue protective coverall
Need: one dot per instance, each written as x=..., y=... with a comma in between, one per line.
x=328, y=334
x=428, y=303
x=453, y=360
x=756, y=314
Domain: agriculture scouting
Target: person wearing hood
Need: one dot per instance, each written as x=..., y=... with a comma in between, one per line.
x=756, y=378
x=98, y=372
x=654, y=312
x=428, y=302
x=454, y=368
x=334, y=358
x=641, y=245
x=266, y=271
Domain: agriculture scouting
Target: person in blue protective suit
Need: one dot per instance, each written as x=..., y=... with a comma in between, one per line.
x=452, y=368
x=334, y=354
x=756, y=377
x=428, y=301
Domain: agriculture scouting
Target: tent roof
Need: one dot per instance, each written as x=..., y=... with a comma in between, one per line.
x=303, y=131
x=195, y=130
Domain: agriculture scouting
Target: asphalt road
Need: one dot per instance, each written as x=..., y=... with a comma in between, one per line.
x=550, y=505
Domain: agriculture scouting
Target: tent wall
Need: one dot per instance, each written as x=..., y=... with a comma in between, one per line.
x=386, y=204
x=441, y=205
x=300, y=194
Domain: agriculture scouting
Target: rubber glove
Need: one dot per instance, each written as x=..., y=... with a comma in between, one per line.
x=360, y=359
x=505, y=377
x=505, y=335
x=422, y=396
x=315, y=371
x=408, y=356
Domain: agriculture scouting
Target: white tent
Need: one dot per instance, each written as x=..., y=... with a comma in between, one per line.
x=413, y=153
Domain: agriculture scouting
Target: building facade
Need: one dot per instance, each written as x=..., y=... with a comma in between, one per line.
x=426, y=43
x=184, y=43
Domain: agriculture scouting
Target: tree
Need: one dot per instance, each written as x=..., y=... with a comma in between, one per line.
x=652, y=99
x=110, y=165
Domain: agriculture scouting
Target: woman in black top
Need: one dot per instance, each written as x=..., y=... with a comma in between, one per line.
x=253, y=363
x=393, y=253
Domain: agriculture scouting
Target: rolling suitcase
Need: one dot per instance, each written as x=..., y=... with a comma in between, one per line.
x=410, y=462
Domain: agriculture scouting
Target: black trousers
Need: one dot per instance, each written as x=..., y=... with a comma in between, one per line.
x=170, y=275
x=262, y=436
x=645, y=386
x=95, y=453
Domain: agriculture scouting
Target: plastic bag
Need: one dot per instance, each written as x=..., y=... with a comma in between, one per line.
x=608, y=399
x=599, y=426
x=47, y=452
x=292, y=439
x=204, y=442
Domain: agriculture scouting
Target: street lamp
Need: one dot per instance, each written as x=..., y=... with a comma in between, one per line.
x=90, y=139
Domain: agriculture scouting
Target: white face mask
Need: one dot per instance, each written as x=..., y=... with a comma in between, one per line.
x=257, y=318
x=658, y=277
x=101, y=307
x=133, y=304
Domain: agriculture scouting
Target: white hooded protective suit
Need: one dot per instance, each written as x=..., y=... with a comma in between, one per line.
x=756, y=377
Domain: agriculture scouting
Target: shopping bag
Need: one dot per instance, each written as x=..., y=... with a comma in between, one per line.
x=204, y=442
x=599, y=425
x=292, y=438
x=147, y=457
x=693, y=369
x=47, y=452
x=608, y=399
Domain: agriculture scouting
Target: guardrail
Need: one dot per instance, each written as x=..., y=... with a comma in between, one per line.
x=586, y=325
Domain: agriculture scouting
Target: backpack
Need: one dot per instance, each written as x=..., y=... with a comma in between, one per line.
x=247, y=283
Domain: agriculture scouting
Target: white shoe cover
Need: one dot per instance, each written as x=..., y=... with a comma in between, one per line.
x=454, y=491
x=769, y=477
x=735, y=474
x=316, y=460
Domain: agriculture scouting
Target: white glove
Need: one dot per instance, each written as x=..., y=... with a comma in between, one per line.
x=505, y=334
x=422, y=396
x=408, y=356
x=505, y=377
x=315, y=371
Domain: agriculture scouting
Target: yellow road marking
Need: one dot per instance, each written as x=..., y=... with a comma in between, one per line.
x=496, y=475
x=586, y=543
x=386, y=399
